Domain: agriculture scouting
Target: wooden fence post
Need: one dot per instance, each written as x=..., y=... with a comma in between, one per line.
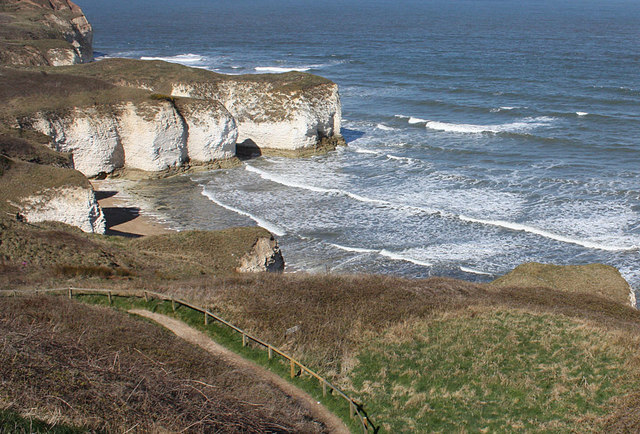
x=206, y=318
x=324, y=388
x=70, y=293
x=146, y=296
x=109, y=295
x=244, y=340
x=293, y=372
x=173, y=304
x=270, y=352
x=352, y=409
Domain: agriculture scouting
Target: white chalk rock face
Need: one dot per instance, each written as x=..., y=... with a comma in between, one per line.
x=275, y=118
x=264, y=256
x=153, y=136
x=91, y=135
x=76, y=206
x=212, y=131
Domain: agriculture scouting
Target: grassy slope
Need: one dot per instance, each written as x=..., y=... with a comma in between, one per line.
x=31, y=147
x=19, y=180
x=22, y=32
x=88, y=366
x=53, y=254
x=449, y=355
x=593, y=278
x=26, y=92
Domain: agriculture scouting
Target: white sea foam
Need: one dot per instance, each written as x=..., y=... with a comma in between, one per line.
x=413, y=120
x=289, y=183
x=365, y=151
x=180, y=58
x=547, y=234
x=400, y=257
x=386, y=253
x=497, y=223
x=525, y=124
x=474, y=271
x=401, y=116
x=384, y=127
x=353, y=249
x=271, y=227
x=582, y=113
x=280, y=69
x=397, y=158
x=503, y=108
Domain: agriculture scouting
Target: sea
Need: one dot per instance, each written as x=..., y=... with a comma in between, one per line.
x=481, y=134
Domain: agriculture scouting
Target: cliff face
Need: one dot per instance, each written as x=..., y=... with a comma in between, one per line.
x=271, y=118
x=75, y=206
x=288, y=112
x=265, y=255
x=44, y=32
x=149, y=135
x=39, y=192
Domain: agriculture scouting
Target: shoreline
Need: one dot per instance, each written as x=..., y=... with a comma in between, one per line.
x=124, y=218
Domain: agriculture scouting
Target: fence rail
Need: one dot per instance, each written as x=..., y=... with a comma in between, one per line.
x=355, y=409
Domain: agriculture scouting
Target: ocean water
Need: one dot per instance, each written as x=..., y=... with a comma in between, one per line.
x=481, y=133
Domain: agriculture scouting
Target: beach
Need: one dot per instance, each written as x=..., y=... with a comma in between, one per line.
x=122, y=216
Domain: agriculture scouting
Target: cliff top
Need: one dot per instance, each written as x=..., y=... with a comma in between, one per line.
x=163, y=75
x=603, y=280
x=41, y=32
x=25, y=92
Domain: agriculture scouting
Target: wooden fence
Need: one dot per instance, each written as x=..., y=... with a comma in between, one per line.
x=355, y=409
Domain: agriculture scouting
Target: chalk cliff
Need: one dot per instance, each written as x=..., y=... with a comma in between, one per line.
x=44, y=32
x=265, y=255
x=37, y=192
x=150, y=135
x=287, y=113
x=76, y=206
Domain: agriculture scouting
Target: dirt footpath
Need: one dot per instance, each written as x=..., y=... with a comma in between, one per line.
x=182, y=330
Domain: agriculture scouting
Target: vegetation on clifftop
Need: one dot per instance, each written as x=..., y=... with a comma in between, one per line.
x=29, y=29
x=95, y=368
x=162, y=75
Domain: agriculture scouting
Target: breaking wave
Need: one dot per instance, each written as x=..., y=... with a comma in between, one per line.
x=271, y=227
x=523, y=125
x=187, y=59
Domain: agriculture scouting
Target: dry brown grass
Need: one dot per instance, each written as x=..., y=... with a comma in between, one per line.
x=68, y=362
x=31, y=147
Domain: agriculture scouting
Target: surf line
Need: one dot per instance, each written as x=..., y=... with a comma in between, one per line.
x=516, y=227
x=384, y=252
x=271, y=227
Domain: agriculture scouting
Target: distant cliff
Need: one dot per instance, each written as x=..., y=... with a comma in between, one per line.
x=44, y=32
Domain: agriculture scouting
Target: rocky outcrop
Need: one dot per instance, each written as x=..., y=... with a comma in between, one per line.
x=264, y=256
x=272, y=118
x=596, y=279
x=44, y=33
x=76, y=206
x=288, y=113
x=152, y=135
x=41, y=192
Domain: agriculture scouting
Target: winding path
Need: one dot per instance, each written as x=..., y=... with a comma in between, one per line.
x=182, y=330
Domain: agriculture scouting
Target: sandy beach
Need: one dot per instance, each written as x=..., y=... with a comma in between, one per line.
x=123, y=218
